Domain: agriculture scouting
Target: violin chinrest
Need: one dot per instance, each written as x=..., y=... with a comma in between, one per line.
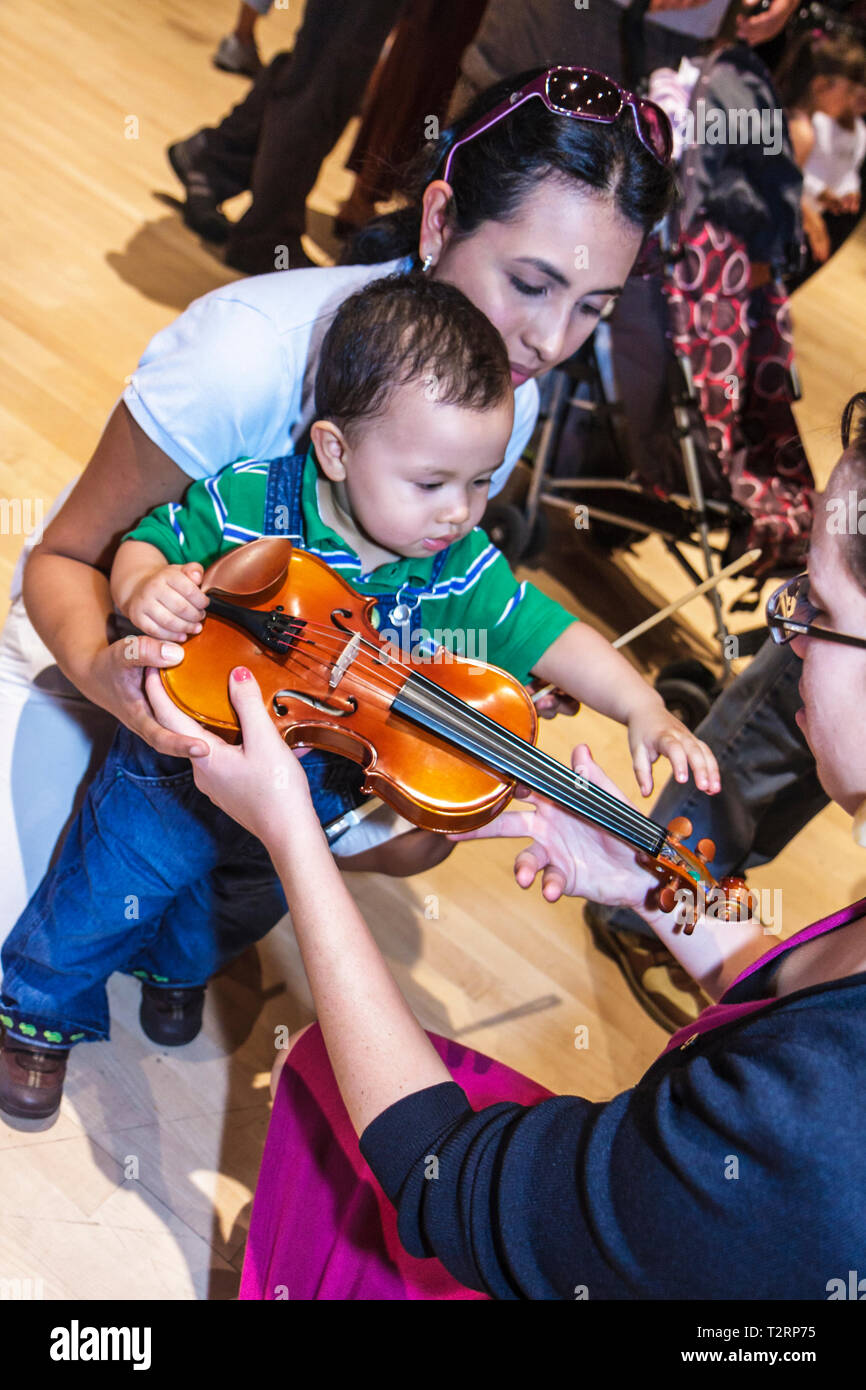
x=255, y=571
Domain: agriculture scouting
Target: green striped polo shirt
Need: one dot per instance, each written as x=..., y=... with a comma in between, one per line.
x=474, y=608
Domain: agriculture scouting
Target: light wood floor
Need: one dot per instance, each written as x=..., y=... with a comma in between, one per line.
x=143, y=1188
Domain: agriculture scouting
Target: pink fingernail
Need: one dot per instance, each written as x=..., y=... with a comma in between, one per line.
x=240, y=673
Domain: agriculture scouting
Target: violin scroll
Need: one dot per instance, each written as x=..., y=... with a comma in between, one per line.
x=685, y=883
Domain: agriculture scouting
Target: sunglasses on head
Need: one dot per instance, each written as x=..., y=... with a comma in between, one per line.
x=790, y=614
x=588, y=96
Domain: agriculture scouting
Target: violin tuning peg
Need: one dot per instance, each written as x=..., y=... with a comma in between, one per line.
x=707, y=849
x=680, y=828
x=667, y=898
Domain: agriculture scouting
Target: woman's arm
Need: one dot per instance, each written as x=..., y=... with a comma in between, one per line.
x=66, y=588
x=378, y=1051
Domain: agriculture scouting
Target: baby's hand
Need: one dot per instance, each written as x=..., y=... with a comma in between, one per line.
x=652, y=731
x=169, y=603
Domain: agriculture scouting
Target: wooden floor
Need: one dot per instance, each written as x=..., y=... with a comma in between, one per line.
x=143, y=1188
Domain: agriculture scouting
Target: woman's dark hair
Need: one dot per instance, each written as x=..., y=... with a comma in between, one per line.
x=817, y=55
x=850, y=475
x=405, y=328
x=492, y=174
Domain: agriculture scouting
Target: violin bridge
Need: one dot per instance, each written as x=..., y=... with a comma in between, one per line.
x=344, y=661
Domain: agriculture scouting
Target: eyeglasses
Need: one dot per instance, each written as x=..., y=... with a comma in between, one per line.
x=589, y=96
x=790, y=613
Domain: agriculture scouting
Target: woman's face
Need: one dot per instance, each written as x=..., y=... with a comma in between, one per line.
x=545, y=277
x=833, y=681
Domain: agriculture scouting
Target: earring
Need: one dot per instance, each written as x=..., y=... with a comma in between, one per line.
x=428, y=261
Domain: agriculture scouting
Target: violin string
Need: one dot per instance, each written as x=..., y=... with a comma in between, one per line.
x=560, y=780
x=528, y=754
x=495, y=739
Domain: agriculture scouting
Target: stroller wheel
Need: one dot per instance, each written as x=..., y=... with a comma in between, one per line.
x=506, y=526
x=688, y=701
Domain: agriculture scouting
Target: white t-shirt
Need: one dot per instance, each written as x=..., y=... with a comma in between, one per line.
x=234, y=376
x=836, y=157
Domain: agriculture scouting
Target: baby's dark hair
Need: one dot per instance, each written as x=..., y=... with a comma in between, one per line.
x=402, y=329
x=493, y=174
x=849, y=475
x=818, y=55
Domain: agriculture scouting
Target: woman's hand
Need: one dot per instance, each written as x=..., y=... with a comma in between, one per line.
x=114, y=680
x=259, y=782
x=652, y=731
x=766, y=25
x=573, y=856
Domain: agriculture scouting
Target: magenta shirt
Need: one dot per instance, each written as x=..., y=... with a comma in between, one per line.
x=717, y=1014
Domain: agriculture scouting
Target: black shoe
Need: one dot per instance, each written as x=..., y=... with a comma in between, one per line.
x=656, y=979
x=201, y=211
x=171, y=1017
x=31, y=1083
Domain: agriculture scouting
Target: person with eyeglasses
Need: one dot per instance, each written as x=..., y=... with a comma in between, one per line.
x=400, y=1165
x=576, y=163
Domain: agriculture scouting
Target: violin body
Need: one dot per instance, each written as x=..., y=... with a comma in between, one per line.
x=425, y=779
x=444, y=741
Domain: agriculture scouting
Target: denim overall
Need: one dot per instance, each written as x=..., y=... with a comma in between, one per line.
x=153, y=880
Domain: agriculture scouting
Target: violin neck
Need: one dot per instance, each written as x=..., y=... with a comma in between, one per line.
x=431, y=707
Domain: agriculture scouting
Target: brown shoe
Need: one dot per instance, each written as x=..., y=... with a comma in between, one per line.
x=666, y=991
x=31, y=1082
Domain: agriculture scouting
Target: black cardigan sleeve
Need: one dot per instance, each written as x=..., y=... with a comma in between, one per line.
x=732, y=1170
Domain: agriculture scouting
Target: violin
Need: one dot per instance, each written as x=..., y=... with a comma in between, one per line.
x=444, y=740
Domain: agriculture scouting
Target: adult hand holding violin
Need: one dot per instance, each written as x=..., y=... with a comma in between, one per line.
x=573, y=856
x=256, y=781
x=581, y=860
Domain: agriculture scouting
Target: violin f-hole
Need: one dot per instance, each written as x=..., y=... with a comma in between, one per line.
x=336, y=614
x=324, y=706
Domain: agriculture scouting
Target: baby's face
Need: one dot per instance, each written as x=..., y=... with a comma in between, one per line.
x=417, y=478
x=836, y=97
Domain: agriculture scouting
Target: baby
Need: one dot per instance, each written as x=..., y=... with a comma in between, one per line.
x=414, y=405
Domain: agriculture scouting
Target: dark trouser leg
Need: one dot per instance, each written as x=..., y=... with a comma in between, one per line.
x=770, y=787
x=306, y=109
x=228, y=151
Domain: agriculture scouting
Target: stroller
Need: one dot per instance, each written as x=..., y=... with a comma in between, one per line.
x=675, y=419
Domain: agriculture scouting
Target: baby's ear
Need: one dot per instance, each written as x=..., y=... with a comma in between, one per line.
x=331, y=449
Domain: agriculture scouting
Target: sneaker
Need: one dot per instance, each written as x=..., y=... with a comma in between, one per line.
x=666, y=991
x=233, y=55
x=201, y=211
x=171, y=1017
x=31, y=1082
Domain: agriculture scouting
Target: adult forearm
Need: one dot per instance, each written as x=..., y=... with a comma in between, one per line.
x=69, y=604
x=715, y=952
x=378, y=1050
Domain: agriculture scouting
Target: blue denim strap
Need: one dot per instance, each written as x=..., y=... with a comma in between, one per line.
x=284, y=514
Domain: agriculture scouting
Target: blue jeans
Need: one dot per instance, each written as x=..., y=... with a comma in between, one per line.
x=153, y=880
x=770, y=787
